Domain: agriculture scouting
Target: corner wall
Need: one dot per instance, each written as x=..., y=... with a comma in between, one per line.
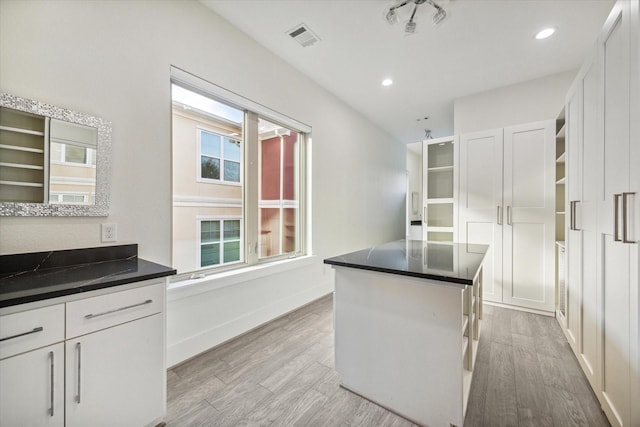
x=530, y=101
x=112, y=59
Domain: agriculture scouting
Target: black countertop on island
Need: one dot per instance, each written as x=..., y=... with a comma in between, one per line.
x=446, y=262
x=42, y=275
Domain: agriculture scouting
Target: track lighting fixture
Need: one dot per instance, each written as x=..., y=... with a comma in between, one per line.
x=410, y=26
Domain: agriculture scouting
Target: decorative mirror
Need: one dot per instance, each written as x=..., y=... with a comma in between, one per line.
x=53, y=161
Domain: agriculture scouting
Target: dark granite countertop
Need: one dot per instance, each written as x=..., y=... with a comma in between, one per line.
x=42, y=275
x=451, y=263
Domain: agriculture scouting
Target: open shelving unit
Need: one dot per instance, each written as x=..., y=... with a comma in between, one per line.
x=23, y=154
x=439, y=190
x=561, y=179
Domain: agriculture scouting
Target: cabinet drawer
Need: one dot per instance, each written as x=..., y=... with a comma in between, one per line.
x=28, y=330
x=92, y=314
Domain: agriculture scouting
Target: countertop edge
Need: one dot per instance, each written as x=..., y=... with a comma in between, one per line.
x=446, y=279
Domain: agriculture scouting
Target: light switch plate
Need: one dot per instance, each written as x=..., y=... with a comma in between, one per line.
x=109, y=232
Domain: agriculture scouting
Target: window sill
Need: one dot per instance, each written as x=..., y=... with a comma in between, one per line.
x=190, y=287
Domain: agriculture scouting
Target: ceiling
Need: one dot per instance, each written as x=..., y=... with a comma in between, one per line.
x=482, y=45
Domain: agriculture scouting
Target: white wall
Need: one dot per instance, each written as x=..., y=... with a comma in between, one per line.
x=112, y=59
x=526, y=102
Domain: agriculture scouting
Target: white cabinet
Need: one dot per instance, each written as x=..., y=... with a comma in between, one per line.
x=32, y=367
x=507, y=200
x=603, y=143
x=439, y=185
x=32, y=388
x=617, y=236
x=92, y=361
x=114, y=376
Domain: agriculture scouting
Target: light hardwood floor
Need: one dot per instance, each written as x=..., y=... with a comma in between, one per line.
x=282, y=374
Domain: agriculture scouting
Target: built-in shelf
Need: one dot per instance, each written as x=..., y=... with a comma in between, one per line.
x=561, y=180
x=441, y=169
x=440, y=229
x=21, y=166
x=19, y=148
x=19, y=130
x=21, y=184
x=465, y=323
x=561, y=158
x=561, y=132
x=560, y=213
x=440, y=201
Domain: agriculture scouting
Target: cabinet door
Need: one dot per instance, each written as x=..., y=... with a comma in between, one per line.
x=586, y=221
x=614, y=253
x=529, y=226
x=480, y=202
x=32, y=388
x=115, y=377
x=573, y=235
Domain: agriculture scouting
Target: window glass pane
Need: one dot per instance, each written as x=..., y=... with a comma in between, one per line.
x=231, y=251
x=210, y=167
x=231, y=171
x=72, y=198
x=279, y=189
x=75, y=154
x=270, y=169
x=290, y=166
x=289, y=230
x=231, y=149
x=269, y=232
x=209, y=254
x=210, y=144
x=231, y=230
x=55, y=151
x=209, y=231
x=207, y=146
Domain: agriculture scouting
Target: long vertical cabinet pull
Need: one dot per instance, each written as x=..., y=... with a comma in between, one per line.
x=509, y=222
x=625, y=218
x=52, y=382
x=79, y=384
x=572, y=215
x=616, y=217
x=499, y=215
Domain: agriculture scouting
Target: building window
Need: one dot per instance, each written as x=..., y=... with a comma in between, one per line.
x=66, y=153
x=216, y=150
x=246, y=191
x=220, y=242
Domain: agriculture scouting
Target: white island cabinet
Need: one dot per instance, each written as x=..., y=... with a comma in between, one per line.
x=407, y=325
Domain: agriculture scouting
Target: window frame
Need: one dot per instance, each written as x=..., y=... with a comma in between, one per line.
x=200, y=129
x=250, y=176
x=222, y=219
x=90, y=155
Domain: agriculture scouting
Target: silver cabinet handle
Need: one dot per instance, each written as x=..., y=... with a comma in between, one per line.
x=625, y=219
x=499, y=215
x=79, y=383
x=93, y=316
x=572, y=215
x=51, y=379
x=509, y=216
x=33, y=331
x=616, y=213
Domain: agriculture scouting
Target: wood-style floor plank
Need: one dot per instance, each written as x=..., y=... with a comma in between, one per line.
x=282, y=374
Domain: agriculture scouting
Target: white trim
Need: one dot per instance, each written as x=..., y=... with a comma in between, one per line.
x=185, y=288
x=192, y=82
x=206, y=202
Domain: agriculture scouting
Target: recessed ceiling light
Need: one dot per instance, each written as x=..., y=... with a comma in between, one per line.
x=547, y=32
x=387, y=82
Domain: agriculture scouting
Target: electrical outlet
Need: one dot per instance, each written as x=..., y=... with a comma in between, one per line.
x=109, y=232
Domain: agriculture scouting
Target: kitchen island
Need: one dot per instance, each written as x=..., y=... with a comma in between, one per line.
x=407, y=324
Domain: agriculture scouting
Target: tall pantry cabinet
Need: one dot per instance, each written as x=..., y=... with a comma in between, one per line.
x=603, y=185
x=507, y=200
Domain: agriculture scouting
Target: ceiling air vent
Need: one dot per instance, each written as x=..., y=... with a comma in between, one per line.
x=303, y=35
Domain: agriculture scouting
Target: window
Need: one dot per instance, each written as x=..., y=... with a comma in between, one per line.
x=215, y=150
x=238, y=179
x=220, y=241
x=72, y=154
